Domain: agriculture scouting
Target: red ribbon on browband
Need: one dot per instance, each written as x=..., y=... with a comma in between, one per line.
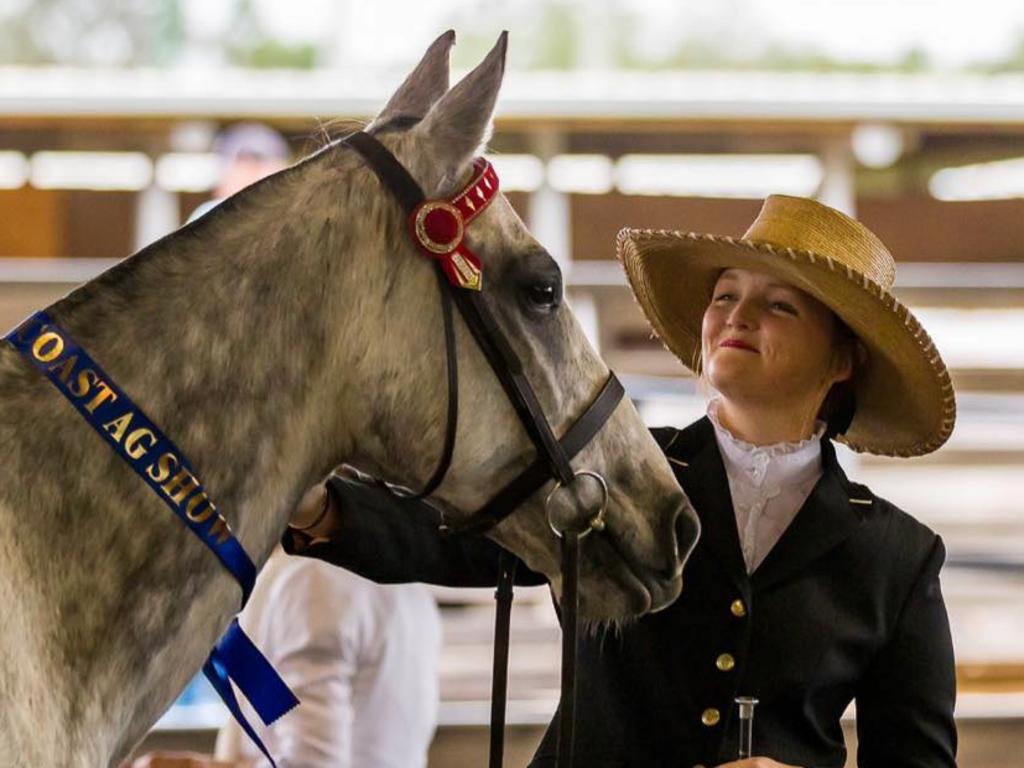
x=438, y=227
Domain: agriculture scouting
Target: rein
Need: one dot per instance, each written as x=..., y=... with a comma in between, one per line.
x=438, y=228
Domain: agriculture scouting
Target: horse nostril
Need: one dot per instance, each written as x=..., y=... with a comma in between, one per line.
x=680, y=529
x=687, y=530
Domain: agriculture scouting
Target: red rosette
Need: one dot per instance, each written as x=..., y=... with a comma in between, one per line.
x=438, y=227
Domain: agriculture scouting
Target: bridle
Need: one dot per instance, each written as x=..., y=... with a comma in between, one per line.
x=437, y=227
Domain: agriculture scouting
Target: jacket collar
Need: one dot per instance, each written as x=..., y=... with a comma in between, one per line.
x=827, y=517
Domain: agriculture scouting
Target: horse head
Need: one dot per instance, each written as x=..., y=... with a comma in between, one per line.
x=634, y=565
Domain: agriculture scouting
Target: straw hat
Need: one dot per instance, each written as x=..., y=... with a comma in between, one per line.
x=905, y=401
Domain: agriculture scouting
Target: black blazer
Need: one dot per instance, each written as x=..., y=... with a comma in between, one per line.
x=845, y=607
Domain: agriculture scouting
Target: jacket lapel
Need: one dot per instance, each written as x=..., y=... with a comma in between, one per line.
x=824, y=521
x=699, y=469
x=827, y=517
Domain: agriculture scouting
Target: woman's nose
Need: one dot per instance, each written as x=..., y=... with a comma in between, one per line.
x=742, y=315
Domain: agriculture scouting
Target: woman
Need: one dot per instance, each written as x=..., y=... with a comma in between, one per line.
x=805, y=591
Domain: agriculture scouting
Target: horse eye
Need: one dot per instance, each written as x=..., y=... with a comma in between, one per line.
x=542, y=295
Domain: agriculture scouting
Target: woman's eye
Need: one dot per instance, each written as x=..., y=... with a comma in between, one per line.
x=788, y=308
x=723, y=297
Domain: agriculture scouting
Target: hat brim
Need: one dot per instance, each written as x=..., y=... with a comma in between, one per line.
x=905, y=400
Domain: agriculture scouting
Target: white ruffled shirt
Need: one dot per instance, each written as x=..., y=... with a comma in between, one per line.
x=768, y=483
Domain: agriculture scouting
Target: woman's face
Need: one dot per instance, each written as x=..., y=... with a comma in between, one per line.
x=765, y=341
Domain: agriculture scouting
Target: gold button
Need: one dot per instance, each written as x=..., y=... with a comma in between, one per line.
x=710, y=716
x=725, y=662
x=739, y=610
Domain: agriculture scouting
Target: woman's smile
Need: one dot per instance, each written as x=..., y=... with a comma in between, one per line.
x=737, y=344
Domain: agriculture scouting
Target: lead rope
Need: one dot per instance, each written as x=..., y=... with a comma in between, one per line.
x=570, y=605
x=502, y=625
x=499, y=669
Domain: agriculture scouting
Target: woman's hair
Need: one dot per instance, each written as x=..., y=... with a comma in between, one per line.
x=840, y=404
x=697, y=363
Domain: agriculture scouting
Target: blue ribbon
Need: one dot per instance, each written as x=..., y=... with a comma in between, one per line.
x=236, y=658
x=137, y=440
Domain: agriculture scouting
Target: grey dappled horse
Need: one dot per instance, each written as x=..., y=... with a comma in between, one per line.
x=291, y=329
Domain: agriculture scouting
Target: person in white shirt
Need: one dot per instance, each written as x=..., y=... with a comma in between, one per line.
x=361, y=657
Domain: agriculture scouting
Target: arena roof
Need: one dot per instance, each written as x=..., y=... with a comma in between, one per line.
x=615, y=97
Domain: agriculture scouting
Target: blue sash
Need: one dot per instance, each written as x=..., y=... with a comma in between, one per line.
x=168, y=472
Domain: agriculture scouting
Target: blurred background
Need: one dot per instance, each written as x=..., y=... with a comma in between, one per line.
x=909, y=116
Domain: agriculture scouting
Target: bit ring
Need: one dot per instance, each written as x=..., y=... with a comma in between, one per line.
x=596, y=521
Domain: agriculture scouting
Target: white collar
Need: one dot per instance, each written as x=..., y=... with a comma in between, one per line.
x=788, y=463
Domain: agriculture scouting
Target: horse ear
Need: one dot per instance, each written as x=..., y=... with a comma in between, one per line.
x=460, y=121
x=424, y=85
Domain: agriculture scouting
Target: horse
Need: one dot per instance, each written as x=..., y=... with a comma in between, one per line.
x=291, y=329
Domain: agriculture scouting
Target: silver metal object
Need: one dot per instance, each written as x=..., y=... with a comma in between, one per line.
x=746, y=705
x=596, y=522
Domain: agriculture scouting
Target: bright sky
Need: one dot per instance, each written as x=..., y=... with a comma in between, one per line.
x=394, y=32
x=951, y=31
